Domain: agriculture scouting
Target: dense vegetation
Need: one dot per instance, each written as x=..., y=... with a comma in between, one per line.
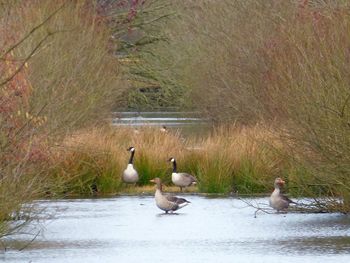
x=280, y=63
x=271, y=75
x=57, y=76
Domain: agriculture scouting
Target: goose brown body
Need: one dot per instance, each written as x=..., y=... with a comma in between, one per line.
x=279, y=201
x=167, y=202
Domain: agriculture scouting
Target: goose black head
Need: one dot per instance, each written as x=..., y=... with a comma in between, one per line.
x=131, y=149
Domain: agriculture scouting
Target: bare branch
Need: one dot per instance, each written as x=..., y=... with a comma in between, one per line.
x=31, y=241
x=28, y=58
x=25, y=61
x=33, y=30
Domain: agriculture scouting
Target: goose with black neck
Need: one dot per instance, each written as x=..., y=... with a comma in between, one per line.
x=130, y=175
x=181, y=179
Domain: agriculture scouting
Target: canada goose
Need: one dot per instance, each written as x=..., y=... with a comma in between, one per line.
x=167, y=202
x=136, y=131
x=277, y=200
x=130, y=175
x=164, y=129
x=181, y=179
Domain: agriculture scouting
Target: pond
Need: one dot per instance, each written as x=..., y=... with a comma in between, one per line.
x=188, y=123
x=133, y=229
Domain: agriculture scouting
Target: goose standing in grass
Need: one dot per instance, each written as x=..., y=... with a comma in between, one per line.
x=136, y=131
x=164, y=129
x=181, y=179
x=277, y=200
x=167, y=203
x=130, y=175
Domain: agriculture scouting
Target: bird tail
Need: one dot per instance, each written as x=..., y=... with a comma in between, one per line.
x=183, y=204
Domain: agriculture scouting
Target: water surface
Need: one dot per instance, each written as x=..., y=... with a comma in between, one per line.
x=132, y=229
x=189, y=123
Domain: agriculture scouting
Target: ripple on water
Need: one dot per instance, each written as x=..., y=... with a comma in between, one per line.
x=121, y=230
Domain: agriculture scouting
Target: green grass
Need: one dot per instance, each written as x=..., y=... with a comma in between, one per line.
x=229, y=161
x=215, y=175
x=224, y=164
x=249, y=180
x=149, y=169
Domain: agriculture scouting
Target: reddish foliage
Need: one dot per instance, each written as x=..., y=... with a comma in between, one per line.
x=130, y=7
x=315, y=29
x=15, y=90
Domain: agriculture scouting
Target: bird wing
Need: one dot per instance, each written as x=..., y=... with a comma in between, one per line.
x=176, y=200
x=285, y=198
x=189, y=177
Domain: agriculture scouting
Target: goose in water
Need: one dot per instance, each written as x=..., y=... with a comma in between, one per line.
x=130, y=175
x=181, y=179
x=277, y=200
x=167, y=203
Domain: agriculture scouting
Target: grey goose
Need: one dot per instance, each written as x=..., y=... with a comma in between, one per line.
x=167, y=203
x=279, y=201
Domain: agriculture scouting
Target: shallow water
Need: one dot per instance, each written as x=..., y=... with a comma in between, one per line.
x=132, y=229
x=189, y=123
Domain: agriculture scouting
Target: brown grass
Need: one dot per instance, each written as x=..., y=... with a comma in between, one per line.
x=231, y=159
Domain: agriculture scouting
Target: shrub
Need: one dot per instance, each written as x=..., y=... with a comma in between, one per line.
x=56, y=75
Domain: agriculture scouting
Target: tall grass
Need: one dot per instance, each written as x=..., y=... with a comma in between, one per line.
x=98, y=157
x=231, y=159
x=240, y=159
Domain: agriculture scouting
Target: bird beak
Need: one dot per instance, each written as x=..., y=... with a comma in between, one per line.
x=152, y=181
